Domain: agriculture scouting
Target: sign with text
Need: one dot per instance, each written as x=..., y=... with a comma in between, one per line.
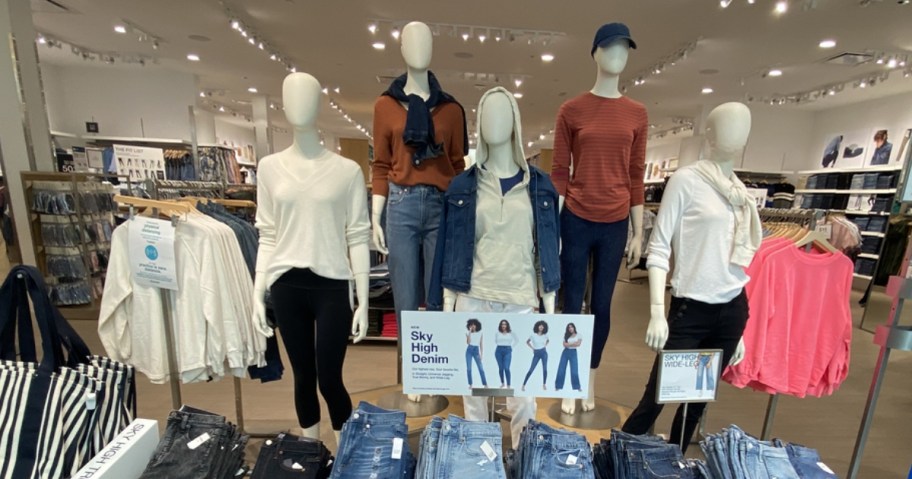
x=80, y=159
x=152, y=253
x=126, y=456
x=688, y=376
x=140, y=162
x=495, y=354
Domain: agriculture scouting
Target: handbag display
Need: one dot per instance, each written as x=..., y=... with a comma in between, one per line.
x=59, y=411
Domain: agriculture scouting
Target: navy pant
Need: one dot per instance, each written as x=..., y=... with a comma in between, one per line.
x=568, y=358
x=604, y=243
x=504, y=356
x=538, y=355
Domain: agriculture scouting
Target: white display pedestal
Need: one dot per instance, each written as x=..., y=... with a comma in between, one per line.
x=126, y=456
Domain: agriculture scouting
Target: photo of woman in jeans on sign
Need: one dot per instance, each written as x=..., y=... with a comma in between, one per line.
x=705, y=368
x=474, y=350
x=505, y=339
x=538, y=342
x=571, y=343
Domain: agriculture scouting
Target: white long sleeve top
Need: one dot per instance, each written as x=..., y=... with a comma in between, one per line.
x=696, y=224
x=309, y=213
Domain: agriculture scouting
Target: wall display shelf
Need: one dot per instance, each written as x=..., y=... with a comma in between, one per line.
x=869, y=233
x=887, y=191
x=869, y=256
x=868, y=169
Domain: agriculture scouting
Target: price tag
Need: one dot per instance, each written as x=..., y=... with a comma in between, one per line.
x=825, y=468
x=199, y=441
x=827, y=230
x=488, y=451
x=397, y=448
x=571, y=460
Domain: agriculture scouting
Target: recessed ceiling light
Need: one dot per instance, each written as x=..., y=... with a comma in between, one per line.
x=541, y=137
x=337, y=90
x=372, y=28
x=518, y=82
x=781, y=7
x=395, y=33
x=42, y=40
x=706, y=90
x=193, y=57
x=202, y=94
x=892, y=63
x=120, y=29
x=547, y=57
x=775, y=73
x=517, y=94
x=221, y=108
x=379, y=46
x=725, y=3
x=827, y=43
x=252, y=89
x=465, y=37
x=529, y=144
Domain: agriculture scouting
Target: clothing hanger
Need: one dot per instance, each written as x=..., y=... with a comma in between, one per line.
x=817, y=239
x=235, y=203
x=165, y=208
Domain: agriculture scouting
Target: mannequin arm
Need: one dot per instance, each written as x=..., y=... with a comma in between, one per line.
x=739, y=353
x=377, y=204
x=359, y=255
x=635, y=248
x=259, y=305
x=657, y=331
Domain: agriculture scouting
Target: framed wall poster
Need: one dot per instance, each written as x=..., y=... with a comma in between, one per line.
x=461, y=354
x=140, y=162
x=688, y=375
x=883, y=149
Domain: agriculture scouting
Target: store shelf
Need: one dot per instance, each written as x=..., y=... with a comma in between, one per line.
x=868, y=255
x=61, y=134
x=860, y=213
x=869, y=169
x=871, y=233
x=654, y=182
x=861, y=276
x=888, y=191
x=748, y=172
x=136, y=139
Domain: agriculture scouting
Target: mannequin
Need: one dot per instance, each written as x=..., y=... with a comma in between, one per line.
x=412, y=170
x=310, y=200
x=709, y=308
x=505, y=210
x=603, y=135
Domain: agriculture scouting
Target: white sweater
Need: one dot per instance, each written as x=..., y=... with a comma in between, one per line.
x=309, y=213
x=697, y=224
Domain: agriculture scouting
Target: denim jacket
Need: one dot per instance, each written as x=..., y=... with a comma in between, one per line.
x=454, y=256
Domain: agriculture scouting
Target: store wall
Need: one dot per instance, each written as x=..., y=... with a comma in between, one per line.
x=125, y=101
x=238, y=134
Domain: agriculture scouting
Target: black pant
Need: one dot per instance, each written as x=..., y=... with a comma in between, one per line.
x=692, y=325
x=314, y=316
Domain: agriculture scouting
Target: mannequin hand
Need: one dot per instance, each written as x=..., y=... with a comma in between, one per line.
x=549, y=299
x=634, y=252
x=739, y=353
x=657, y=331
x=259, y=306
x=377, y=233
x=359, y=324
x=449, y=300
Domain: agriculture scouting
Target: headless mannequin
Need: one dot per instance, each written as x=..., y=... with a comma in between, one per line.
x=301, y=94
x=611, y=61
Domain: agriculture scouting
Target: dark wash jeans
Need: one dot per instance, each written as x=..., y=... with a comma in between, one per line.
x=604, y=243
x=691, y=325
x=289, y=456
x=183, y=452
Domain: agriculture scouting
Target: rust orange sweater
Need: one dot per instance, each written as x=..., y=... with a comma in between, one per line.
x=393, y=159
x=604, y=140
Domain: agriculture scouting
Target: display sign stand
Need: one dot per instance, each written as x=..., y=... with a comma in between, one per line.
x=683, y=375
x=126, y=456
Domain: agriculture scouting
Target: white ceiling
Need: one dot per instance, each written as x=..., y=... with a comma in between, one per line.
x=330, y=40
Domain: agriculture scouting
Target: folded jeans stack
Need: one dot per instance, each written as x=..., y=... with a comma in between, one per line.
x=198, y=445
x=458, y=448
x=628, y=456
x=289, y=456
x=546, y=452
x=374, y=445
x=734, y=453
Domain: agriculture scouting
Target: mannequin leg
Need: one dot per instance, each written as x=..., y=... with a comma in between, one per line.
x=576, y=243
x=522, y=410
x=475, y=408
x=334, y=319
x=312, y=432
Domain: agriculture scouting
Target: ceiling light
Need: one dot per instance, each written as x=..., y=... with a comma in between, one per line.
x=272, y=57
x=337, y=90
x=827, y=43
x=517, y=94
x=379, y=46
x=782, y=6
x=863, y=84
x=42, y=40
x=547, y=57
x=325, y=91
x=395, y=33
x=529, y=144
x=541, y=137
x=751, y=2
x=252, y=89
x=221, y=108
x=892, y=63
x=518, y=82
x=261, y=46
x=203, y=94
x=251, y=40
x=465, y=37
x=294, y=69
x=706, y=90
x=372, y=28
x=193, y=57
x=482, y=38
x=775, y=73
x=725, y=3
x=831, y=92
x=243, y=33
x=235, y=24
x=120, y=29
x=498, y=37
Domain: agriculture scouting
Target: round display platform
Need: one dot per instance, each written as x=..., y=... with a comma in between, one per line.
x=428, y=406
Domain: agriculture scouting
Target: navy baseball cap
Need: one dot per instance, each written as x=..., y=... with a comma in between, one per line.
x=610, y=32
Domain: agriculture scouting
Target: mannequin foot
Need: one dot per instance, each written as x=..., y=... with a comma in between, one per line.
x=568, y=406
x=589, y=404
x=312, y=432
x=414, y=397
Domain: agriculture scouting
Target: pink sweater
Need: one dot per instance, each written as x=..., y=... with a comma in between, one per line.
x=799, y=333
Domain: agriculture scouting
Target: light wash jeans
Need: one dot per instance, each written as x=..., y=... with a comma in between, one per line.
x=412, y=218
x=461, y=450
x=522, y=409
x=703, y=370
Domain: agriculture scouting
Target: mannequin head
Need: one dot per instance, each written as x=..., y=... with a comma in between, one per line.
x=417, y=45
x=496, y=119
x=301, y=94
x=612, y=59
x=727, y=130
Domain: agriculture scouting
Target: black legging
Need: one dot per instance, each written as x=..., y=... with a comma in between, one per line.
x=304, y=302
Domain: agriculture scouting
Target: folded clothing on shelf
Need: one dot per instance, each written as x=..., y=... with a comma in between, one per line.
x=627, y=455
x=734, y=453
x=290, y=456
x=374, y=443
x=546, y=452
x=198, y=445
x=455, y=447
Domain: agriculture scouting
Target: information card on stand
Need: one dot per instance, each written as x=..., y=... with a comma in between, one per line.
x=151, y=249
x=688, y=376
x=492, y=354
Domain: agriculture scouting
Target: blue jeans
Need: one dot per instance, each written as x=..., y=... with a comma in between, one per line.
x=427, y=459
x=568, y=356
x=544, y=452
x=412, y=218
x=538, y=355
x=366, y=445
x=504, y=356
x=474, y=353
x=703, y=369
x=604, y=243
x=461, y=450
